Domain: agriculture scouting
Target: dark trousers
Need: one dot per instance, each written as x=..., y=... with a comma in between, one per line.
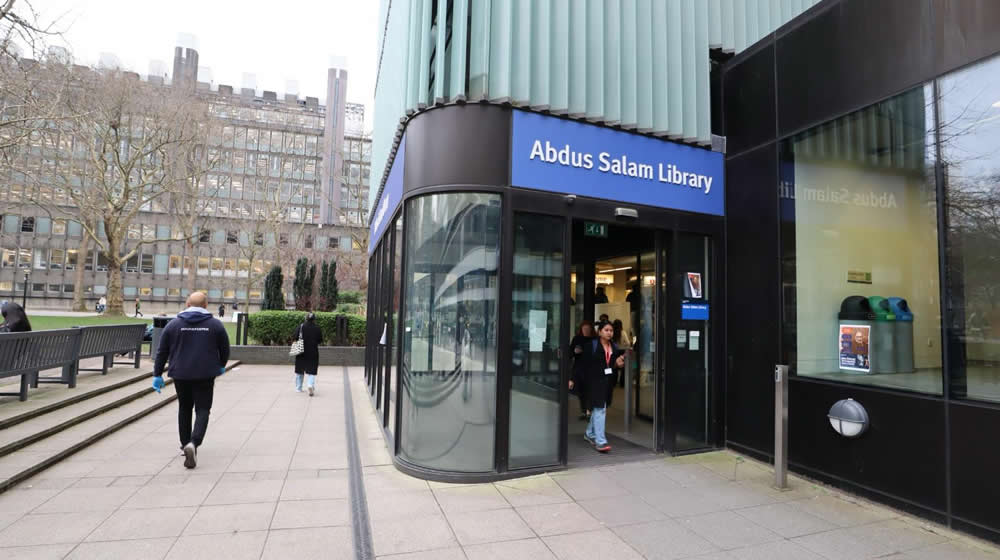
x=196, y=394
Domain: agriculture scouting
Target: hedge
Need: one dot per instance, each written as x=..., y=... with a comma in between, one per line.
x=277, y=328
x=351, y=296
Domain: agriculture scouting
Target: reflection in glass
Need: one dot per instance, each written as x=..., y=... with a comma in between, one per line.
x=397, y=272
x=645, y=345
x=970, y=153
x=536, y=302
x=448, y=405
x=859, y=218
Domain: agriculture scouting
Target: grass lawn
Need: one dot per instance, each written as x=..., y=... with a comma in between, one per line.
x=48, y=322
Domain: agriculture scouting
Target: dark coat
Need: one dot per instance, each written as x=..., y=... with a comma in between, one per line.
x=14, y=318
x=195, y=344
x=599, y=385
x=312, y=337
x=580, y=362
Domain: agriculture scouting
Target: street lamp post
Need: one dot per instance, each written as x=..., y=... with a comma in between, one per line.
x=24, y=296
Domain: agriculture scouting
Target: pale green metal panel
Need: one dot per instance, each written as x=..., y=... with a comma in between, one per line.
x=501, y=21
x=702, y=64
x=612, y=61
x=628, y=91
x=427, y=10
x=521, y=56
x=479, y=48
x=559, y=63
x=661, y=68
x=739, y=25
x=578, y=58
x=675, y=69
x=412, y=46
x=728, y=14
x=715, y=24
x=651, y=47
x=541, y=54
x=751, y=22
x=689, y=54
x=459, y=48
x=595, y=59
x=440, y=60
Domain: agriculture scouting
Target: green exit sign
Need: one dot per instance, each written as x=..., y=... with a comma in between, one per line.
x=595, y=229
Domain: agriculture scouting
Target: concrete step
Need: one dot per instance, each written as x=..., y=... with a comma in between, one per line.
x=41, y=442
x=51, y=422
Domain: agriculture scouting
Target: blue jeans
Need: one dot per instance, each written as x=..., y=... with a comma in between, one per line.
x=310, y=381
x=595, y=429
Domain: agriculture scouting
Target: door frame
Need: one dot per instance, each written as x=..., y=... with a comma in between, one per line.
x=666, y=223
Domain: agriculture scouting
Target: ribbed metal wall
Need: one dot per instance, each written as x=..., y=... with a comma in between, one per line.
x=639, y=64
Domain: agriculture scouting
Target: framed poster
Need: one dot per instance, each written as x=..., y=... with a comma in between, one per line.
x=855, y=350
x=694, y=284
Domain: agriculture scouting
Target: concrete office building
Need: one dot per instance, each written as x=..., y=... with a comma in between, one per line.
x=742, y=184
x=266, y=144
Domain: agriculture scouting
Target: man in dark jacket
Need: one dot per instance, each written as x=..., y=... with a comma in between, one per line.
x=197, y=347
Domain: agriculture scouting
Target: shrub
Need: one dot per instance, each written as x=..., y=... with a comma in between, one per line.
x=277, y=328
x=274, y=296
x=351, y=296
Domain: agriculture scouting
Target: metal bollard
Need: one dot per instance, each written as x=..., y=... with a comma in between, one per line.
x=781, y=426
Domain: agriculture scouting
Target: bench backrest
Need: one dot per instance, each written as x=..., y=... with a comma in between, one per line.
x=100, y=340
x=25, y=352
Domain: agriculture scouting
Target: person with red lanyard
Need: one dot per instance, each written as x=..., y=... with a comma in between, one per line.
x=605, y=359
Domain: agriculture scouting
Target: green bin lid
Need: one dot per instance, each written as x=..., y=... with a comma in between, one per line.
x=880, y=308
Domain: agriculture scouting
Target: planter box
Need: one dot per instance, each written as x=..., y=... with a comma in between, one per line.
x=353, y=356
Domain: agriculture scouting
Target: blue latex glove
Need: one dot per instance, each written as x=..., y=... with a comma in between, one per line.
x=222, y=370
x=157, y=384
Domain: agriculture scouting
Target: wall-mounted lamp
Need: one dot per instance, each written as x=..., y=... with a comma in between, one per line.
x=848, y=418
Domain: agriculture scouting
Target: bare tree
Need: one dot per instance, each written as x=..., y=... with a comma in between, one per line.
x=137, y=143
x=352, y=262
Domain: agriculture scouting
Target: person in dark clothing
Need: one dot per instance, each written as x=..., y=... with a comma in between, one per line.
x=222, y=310
x=599, y=373
x=138, y=308
x=600, y=296
x=307, y=363
x=197, y=347
x=580, y=349
x=14, y=318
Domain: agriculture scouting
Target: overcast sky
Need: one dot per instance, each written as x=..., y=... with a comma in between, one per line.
x=275, y=41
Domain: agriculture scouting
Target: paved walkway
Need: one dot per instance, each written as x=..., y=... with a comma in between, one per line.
x=273, y=482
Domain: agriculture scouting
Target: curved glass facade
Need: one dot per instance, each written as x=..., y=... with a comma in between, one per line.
x=448, y=397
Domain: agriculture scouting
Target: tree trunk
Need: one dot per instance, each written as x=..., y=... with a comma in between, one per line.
x=115, y=296
x=79, y=302
x=193, y=270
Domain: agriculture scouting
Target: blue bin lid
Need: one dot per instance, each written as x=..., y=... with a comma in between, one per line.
x=900, y=309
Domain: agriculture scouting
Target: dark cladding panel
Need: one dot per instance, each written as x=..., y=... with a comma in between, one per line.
x=965, y=31
x=975, y=462
x=748, y=101
x=752, y=297
x=458, y=145
x=851, y=55
x=900, y=454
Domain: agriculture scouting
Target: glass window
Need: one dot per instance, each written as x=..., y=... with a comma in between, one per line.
x=970, y=153
x=146, y=264
x=6, y=286
x=159, y=292
x=56, y=259
x=134, y=231
x=43, y=225
x=129, y=291
x=163, y=232
x=174, y=292
x=10, y=223
x=160, y=264
x=452, y=244
x=27, y=224
x=203, y=263
x=536, y=303
x=8, y=258
x=145, y=291
x=41, y=263
x=74, y=229
x=55, y=288
x=215, y=294
x=37, y=287
x=68, y=288
x=100, y=289
x=859, y=227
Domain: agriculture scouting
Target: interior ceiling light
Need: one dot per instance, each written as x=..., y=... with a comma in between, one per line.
x=615, y=269
x=996, y=104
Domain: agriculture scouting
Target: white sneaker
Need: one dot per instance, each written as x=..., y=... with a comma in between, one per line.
x=190, y=456
x=298, y=390
x=312, y=391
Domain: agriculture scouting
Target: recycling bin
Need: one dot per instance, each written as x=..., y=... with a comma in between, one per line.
x=855, y=326
x=904, y=334
x=883, y=341
x=159, y=323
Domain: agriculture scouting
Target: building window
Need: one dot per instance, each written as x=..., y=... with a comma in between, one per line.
x=859, y=228
x=215, y=294
x=146, y=264
x=134, y=231
x=57, y=257
x=10, y=223
x=159, y=292
x=68, y=288
x=59, y=227
x=6, y=286
x=27, y=224
x=255, y=294
x=203, y=264
x=37, y=287
x=232, y=237
x=173, y=292
x=43, y=225
x=160, y=264
x=217, y=266
x=100, y=289
x=55, y=288
x=41, y=262
x=174, y=264
x=230, y=269
x=129, y=291
x=309, y=241
x=204, y=236
x=8, y=258
x=451, y=300
x=970, y=152
x=145, y=292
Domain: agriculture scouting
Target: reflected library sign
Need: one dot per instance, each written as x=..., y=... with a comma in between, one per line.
x=560, y=155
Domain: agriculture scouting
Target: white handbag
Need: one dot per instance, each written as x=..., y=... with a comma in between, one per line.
x=299, y=346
